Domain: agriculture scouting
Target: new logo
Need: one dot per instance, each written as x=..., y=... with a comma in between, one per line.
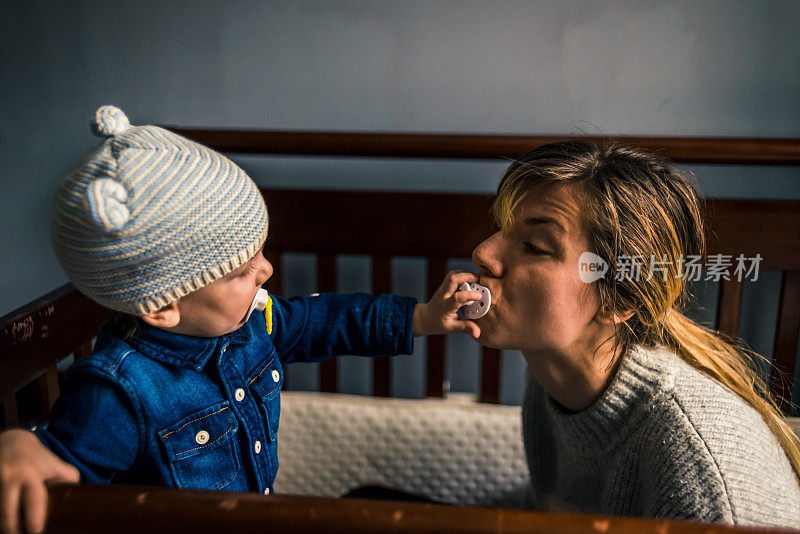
x=591, y=267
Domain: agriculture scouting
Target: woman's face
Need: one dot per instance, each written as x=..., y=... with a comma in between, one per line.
x=539, y=302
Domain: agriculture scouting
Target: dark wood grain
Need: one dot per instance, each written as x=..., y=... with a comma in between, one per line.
x=768, y=228
x=436, y=363
x=728, y=308
x=10, y=411
x=716, y=150
x=491, y=360
x=89, y=509
x=432, y=224
x=786, y=339
x=435, y=226
x=42, y=333
x=48, y=391
x=38, y=335
x=83, y=350
x=435, y=223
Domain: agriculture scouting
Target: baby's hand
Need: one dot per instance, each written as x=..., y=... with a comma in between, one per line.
x=438, y=315
x=25, y=466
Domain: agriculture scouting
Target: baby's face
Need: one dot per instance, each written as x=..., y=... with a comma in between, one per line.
x=221, y=307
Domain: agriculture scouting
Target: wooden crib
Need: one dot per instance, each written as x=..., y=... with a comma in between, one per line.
x=34, y=338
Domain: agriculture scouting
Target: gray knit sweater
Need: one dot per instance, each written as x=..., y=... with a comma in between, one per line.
x=664, y=440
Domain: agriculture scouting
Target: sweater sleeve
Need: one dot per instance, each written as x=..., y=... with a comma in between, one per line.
x=681, y=478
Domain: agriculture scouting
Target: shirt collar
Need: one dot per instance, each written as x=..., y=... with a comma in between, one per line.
x=181, y=350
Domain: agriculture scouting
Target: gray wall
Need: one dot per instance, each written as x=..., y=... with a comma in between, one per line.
x=618, y=67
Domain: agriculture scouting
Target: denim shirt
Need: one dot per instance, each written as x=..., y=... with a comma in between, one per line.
x=166, y=409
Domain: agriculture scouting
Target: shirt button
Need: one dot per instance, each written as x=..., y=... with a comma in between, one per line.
x=258, y=447
x=239, y=394
x=266, y=491
x=223, y=350
x=276, y=376
x=201, y=437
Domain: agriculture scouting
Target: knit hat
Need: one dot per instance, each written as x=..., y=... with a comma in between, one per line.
x=150, y=216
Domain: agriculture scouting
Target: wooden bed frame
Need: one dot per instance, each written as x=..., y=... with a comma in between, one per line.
x=34, y=338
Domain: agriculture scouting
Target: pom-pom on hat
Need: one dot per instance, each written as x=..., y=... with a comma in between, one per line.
x=150, y=216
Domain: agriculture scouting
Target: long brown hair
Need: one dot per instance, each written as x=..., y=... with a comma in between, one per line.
x=638, y=205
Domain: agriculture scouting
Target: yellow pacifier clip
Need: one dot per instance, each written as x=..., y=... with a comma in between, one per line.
x=268, y=315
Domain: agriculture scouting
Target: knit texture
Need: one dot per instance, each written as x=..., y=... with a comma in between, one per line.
x=150, y=216
x=665, y=441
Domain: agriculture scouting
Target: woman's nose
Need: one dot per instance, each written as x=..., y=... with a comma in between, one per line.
x=486, y=255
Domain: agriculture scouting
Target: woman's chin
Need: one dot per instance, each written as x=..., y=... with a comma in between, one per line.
x=486, y=339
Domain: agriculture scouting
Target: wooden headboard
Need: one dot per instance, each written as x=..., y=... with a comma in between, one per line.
x=436, y=226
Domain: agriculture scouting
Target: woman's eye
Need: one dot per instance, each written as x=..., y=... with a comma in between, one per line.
x=533, y=249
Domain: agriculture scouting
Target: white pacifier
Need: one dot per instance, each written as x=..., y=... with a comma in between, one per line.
x=259, y=303
x=475, y=309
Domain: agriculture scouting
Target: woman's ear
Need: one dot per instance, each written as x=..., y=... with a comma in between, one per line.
x=613, y=318
x=166, y=317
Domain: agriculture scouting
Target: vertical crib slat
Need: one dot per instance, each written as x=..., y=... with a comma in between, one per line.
x=490, y=375
x=436, y=362
x=10, y=413
x=729, y=308
x=84, y=350
x=786, y=338
x=326, y=283
x=48, y=391
x=381, y=366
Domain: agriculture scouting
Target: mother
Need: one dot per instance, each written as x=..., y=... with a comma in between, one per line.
x=631, y=408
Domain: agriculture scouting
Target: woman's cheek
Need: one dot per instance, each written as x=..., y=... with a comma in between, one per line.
x=556, y=308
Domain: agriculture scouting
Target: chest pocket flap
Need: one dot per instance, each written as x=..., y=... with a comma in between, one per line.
x=202, y=450
x=199, y=432
x=266, y=384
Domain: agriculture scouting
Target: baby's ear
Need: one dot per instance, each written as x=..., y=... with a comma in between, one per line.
x=166, y=317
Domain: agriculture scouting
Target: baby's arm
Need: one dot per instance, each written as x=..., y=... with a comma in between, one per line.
x=93, y=428
x=25, y=466
x=306, y=329
x=438, y=315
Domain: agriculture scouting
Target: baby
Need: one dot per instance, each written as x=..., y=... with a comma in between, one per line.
x=183, y=386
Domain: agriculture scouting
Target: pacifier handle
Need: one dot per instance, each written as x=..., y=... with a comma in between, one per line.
x=259, y=303
x=475, y=309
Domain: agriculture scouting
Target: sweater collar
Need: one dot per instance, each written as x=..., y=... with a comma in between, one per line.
x=641, y=380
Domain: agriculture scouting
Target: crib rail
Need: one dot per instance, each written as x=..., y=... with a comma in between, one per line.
x=435, y=226
x=34, y=338
x=710, y=150
x=438, y=227
x=88, y=509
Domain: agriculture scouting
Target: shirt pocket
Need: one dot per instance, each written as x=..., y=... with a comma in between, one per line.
x=202, y=449
x=266, y=386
